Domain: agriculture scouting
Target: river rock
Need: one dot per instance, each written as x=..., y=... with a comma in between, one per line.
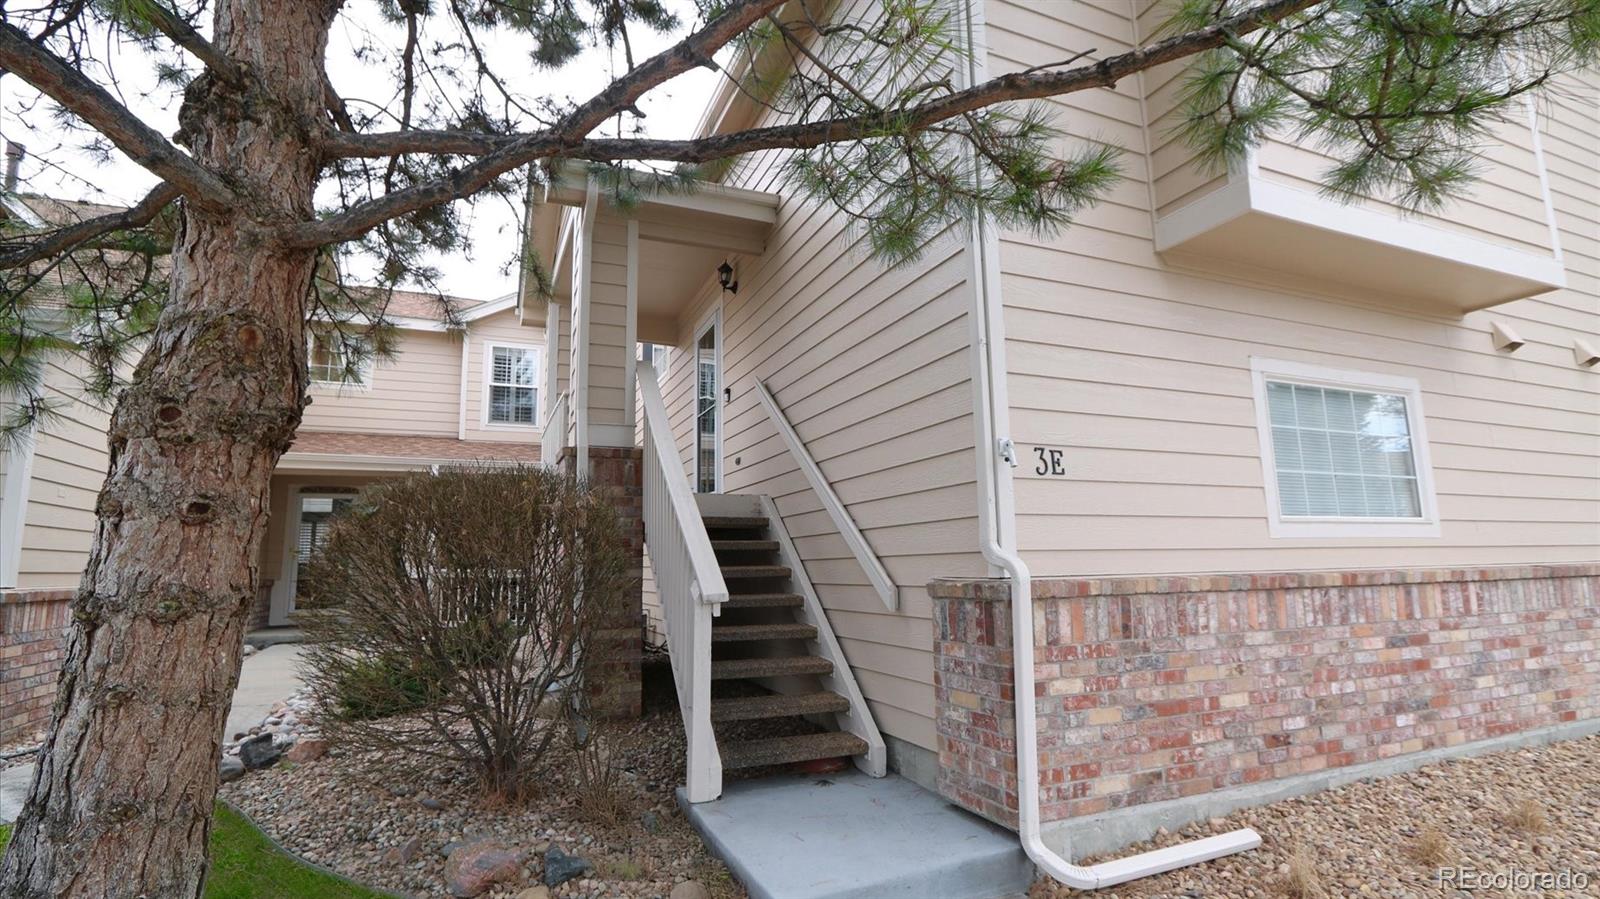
x=560, y=867
x=476, y=865
x=231, y=769
x=307, y=749
x=259, y=752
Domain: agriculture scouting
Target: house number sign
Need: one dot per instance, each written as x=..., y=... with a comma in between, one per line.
x=1046, y=461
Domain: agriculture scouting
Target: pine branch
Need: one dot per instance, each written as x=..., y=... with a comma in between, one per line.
x=500, y=154
x=91, y=103
x=65, y=240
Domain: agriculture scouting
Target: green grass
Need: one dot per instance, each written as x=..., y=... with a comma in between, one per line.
x=245, y=865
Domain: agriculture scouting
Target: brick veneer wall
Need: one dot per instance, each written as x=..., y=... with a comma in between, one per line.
x=619, y=471
x=32, y=623
x=1152, y=689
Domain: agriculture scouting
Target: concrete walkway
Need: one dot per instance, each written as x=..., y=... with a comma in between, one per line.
x=850, y=836
x=267, y=677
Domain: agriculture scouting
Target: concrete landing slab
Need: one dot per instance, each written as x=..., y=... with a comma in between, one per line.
x=265, y=679
x=850, y=836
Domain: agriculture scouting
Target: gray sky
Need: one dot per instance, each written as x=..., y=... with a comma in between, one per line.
x=54, y=165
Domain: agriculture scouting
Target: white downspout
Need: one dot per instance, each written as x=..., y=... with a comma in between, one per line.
x=996, y=525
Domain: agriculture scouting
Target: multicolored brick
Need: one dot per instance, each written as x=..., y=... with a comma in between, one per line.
x=1151, y=689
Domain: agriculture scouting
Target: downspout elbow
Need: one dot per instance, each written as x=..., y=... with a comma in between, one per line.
x=1079, y=877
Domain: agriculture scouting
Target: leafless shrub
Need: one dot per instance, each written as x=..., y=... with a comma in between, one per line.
x=1528, y=816
x=1303, y=881
x=1431, y=848
x=600, y=747
x=460, y=613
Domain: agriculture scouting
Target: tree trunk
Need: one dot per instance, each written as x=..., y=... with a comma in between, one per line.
x=121, y=801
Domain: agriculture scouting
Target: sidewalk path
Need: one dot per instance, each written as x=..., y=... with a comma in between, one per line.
x=267, y=677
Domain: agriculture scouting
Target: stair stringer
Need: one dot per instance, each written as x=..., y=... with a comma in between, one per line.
x=858, y=720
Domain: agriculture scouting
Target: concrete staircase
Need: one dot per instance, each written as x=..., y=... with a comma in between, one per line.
x=768, y=636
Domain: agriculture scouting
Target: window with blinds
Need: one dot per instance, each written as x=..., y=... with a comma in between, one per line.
x=513, y=374
x=1343, y=453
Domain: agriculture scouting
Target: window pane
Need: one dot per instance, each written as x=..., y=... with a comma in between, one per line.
x=1308, y=407
x=1322, y=498
x=1280, y=404
x=1346, y=453
x=500, y=403
x=1342, y=453
x=1406, y=503
x=1292, y=493
x=1286, y=448
x=1341, y=409
x=1352, y=494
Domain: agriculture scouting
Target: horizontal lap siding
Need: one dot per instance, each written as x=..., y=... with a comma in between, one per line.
x=1142, y=373
x=416, y=392
x=69, y=467
x=872, y=368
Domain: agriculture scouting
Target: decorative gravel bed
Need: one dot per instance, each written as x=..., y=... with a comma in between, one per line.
x=1530, y=810
x=347, y=812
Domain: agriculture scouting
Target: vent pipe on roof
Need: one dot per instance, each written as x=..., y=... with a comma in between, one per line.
x=14, y=154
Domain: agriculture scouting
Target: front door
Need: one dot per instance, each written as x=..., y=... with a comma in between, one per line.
x=310, y=514
x=708, y=409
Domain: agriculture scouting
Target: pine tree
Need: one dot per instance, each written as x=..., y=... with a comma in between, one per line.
x=212, y=276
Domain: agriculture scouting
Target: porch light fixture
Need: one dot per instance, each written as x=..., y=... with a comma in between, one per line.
x=1505, y=338
x=725, y=277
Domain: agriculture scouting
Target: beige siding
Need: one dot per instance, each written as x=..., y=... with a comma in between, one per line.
x=416, y=392
x=500, y=328
x=1142, y=372
x=872, y=368
x=69, y=467
x=608, y=316
x=1506, y=207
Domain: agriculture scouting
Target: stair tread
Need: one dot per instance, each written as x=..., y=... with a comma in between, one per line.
x=733, y=521
x=763, y=600
x=744, y=545
x=782, y=750
x=777, y=705
x=731, y=633
x=726, y=669
x=755, y=571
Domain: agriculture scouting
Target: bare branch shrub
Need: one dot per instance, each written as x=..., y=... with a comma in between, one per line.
x=461, y=616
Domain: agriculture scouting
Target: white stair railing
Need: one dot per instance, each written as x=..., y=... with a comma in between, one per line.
x=688, y=582
x=555, y=432
x=882, y=584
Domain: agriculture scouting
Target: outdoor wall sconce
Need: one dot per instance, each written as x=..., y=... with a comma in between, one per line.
x=1505, y=338
x=725, y=278
x=1585, y=354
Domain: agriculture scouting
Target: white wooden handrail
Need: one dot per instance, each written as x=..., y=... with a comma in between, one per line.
x=555, y=431
x=689, y=585
x=853, y=538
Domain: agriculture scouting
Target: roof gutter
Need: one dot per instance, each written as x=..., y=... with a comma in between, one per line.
x=997, y=530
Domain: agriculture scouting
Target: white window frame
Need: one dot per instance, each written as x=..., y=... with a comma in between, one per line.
x=365, y=372
x=489, y=346
x=1427, y=526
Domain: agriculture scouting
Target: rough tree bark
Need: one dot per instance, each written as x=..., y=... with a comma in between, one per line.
x=121, y=801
